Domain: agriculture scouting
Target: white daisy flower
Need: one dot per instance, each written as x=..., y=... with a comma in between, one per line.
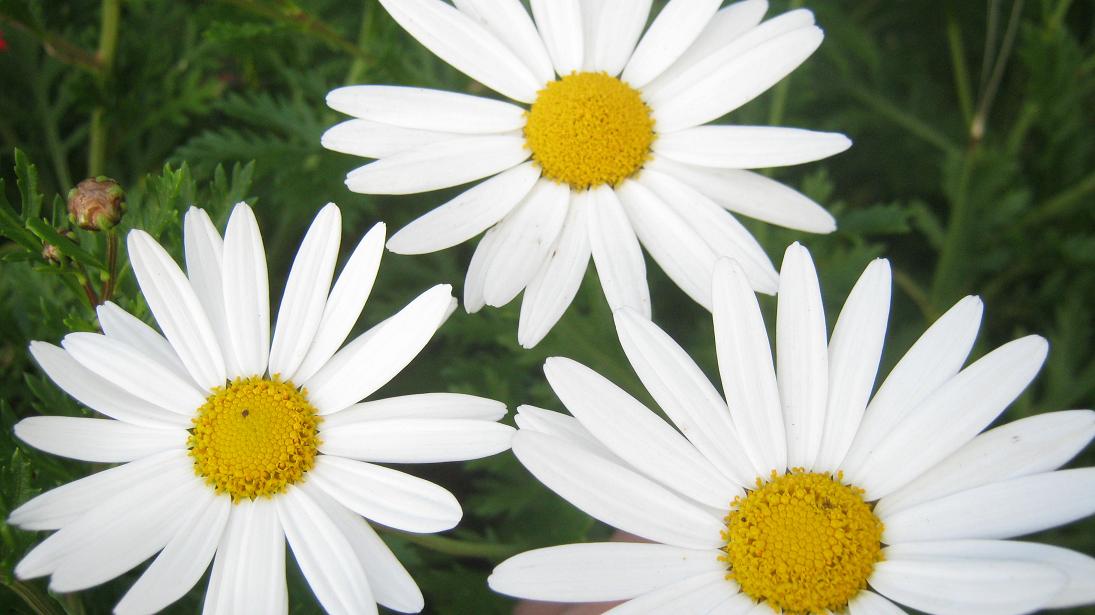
x=800, y=493
x=616, y=126
x=231, y=444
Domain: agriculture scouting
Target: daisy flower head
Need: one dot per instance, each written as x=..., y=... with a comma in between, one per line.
x=231, y=444
x=800, y=492
x=608, y=147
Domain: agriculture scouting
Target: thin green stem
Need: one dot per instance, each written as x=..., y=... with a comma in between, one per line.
x=38, y=600
x=491, y=551
x=1062, y=202
x=111, y=264
x=361, y=62
x=953, y=255
x=912, y=124
x=57, y=46
x=958, y=66
x=916, y=293
x=108, y=46
x=1058, y=15
x=988, y=96
x=290, y=14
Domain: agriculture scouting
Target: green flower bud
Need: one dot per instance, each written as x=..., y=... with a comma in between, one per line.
x=96, y=204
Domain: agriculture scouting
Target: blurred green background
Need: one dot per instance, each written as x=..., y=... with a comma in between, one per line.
x=973, y=171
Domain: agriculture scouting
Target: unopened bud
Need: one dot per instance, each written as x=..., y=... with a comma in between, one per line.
x=96, y=204
x=50, y=253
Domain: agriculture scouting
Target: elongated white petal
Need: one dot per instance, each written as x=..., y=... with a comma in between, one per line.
x=673, y=244
x=636, y=434
x=802, y=362
x=612, y=27
x=615, y=494
x=616, y=253
x=869, y=603
x=560, y=26
x=675, y=28
x=249, y=570
x=961, y=586
x=422, y=406
x=745, y=363
x=508, y=20
x=126, y=328
x=472, y=212
x=368, y=363
x=421, y=440
x=554, y=286
x=599, y=571
x=525, y=239
x=441, y=165
x=466, y=45
x=306, y=292
x=854, y=353
x=177, y=310
x=246, y=292
x=344, y=304
x=204, y=250
x=387, y=496
x=100, y=440
x=430, y=110
x=748, y=147
x=934, y=359
x=476, y=278
x=564, y=426
x=933, y=430
x=370, y=139
x=708, y=592
x=724, y=28
x=131, y=370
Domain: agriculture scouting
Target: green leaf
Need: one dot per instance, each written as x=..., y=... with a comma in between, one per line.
x=27, y=178
x=12, y=227
x=66, y=246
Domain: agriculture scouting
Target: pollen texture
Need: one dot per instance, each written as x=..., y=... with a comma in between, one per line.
x=802, y=542
x=254, y=438
x=589, y=129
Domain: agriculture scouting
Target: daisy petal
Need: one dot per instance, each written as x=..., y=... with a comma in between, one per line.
x=725, y=27
x=476, y=278
x=675, y=28
x=616, y=253
x=306, y=292
x=745, y=363
x=329, y=564
x=368, y=363
x=177, y=310
x=387, y=496
x=869, y=603
x=98, y=440
x=422, y=406
x=442, y=165
x=425, y=440
x=615, y=494
x=467, y=215
x=249, y=569
x=246, y=292
x=599, y=571
x=508, y=20
x=998, y=510
x=552, y=289
x=612, y=27
x=128, y=329
x=983, y=390
x=710, y=592
x=204, y=254
x=748, y=147
x=561, y=425
x=854, y=353
x=431, y=110
x=1031, y=445
x=466, y=45
x=560, y=26
x=802, y=362
x=636, y=434
x=525, y=239
x=345, y=302
x=370, y=139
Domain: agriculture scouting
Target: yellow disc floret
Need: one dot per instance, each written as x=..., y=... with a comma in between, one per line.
x=803, y=542
x=254, y=438
x=589, y=129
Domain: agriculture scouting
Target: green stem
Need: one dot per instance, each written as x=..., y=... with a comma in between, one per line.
x=108, y=46
x=360, y=63
x=57, y=46
x=958, y=66
x=916, y=293
x=988, y=96
x=494, y=552
x=290, y=14
x=912, y=124
x=1062, y=202
x=953, y=255
x=111, y=264
x=38, y=601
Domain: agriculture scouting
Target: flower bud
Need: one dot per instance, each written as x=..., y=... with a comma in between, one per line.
x=96, y=204
x=50, y=253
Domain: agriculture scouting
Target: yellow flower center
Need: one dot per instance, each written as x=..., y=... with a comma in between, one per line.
x=803, y=542
x=254, y=437
x=588, y=129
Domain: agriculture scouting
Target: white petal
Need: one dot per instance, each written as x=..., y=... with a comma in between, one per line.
x=99, y=440
x=466, y=45
x=431, y=110
x=636, y=434
x=128, y=329
x=854, y=353
x=599, y=571
x=329, y=564
x=551, y=290
x=387, y=496
x=442, y=165
x=612, y=27
x=246, y=292
x=934, y=359
x=753, y=195
x=345, y=302
x=748, y=147
x=1031, y=445
x=802, y=362
x=564, y=426
x=560, y=26
x=205, y=269
x=421, y=406
x=369, y=362
x=673, y=244
x=525, y=239
x=508, y=20
x=745, y=363
x=616, y=495
x=709, y=592
x=952, y=586
x=467, y=215
x=177, y=310
x=869, y=603
x=99, y=394
x=182, y=562
x=616, y=253
x=675, y=28
x=934, y=430
x=370, y=139
x=1079, y=568
x=716, y=227
x=249, y=570
x=476, y=278
x=998, y=510
x=423, y=440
